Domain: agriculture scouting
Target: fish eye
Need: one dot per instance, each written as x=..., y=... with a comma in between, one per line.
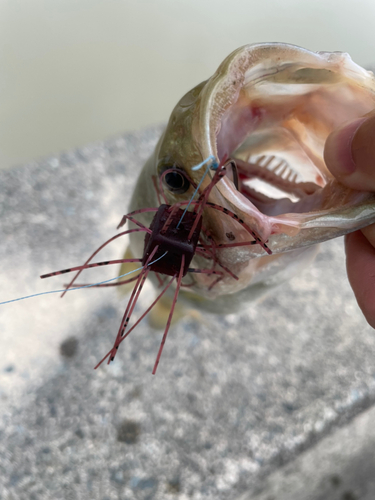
x=176, y=182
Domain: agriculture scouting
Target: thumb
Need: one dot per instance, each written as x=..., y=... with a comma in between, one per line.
x=349, y=153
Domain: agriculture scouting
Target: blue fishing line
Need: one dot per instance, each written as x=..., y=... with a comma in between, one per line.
x=214, y=165
x=80, y=287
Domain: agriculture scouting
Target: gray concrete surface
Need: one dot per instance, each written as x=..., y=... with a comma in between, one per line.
x=340, y=467
x=235, y=397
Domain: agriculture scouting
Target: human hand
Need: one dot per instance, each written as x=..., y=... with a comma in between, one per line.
x=350, y=156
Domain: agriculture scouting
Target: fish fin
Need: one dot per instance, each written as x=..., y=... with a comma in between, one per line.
x=127, y=267
x=158, y=316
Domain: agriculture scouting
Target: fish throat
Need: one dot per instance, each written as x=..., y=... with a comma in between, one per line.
x=271, y=107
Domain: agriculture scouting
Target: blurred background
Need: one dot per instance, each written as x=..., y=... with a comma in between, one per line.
x=77, y=71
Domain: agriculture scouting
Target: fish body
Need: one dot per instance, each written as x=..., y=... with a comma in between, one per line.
x=270, y=108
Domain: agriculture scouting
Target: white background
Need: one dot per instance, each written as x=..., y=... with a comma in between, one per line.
x=77, y=71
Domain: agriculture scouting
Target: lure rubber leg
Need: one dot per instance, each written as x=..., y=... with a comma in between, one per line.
x=133, y=298
x=211, y=253
x=170, y=315
x=97, y=251
x=243, y=224
x=126, y=317
x=131, y=218
x=88, y=266
x=138, y=321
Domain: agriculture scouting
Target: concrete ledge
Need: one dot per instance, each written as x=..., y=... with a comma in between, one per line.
x=235, y=397
x=340, y=467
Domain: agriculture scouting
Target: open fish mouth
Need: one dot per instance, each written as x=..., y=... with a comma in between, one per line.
x=270, y=107
x=275, y=188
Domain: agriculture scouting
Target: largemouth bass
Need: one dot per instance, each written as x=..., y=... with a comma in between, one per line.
x=253, y=218
x=269, y=107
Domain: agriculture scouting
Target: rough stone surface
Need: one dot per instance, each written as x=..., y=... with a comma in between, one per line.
x=340, y=467
x=235, y=396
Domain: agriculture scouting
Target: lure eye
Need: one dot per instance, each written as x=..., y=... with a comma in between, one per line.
x=176, y=182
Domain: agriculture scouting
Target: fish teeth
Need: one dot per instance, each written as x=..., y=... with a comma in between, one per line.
x=287, y=178
x=282, y=172
x=268, y=161
x=278, y=166
x=259, y=160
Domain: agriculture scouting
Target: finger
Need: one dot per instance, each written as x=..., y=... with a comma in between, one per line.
x=369, y=232
x=349, y=154
x=360, y=264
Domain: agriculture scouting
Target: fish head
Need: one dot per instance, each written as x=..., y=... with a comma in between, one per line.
x=270, y=108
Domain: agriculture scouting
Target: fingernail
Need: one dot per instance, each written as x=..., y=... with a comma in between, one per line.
x=338, y=153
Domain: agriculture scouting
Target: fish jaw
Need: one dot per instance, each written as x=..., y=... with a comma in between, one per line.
x=267, y=103
x=281, y=101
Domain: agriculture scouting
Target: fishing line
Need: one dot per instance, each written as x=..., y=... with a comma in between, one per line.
x=214, y=165
x=80, y=287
